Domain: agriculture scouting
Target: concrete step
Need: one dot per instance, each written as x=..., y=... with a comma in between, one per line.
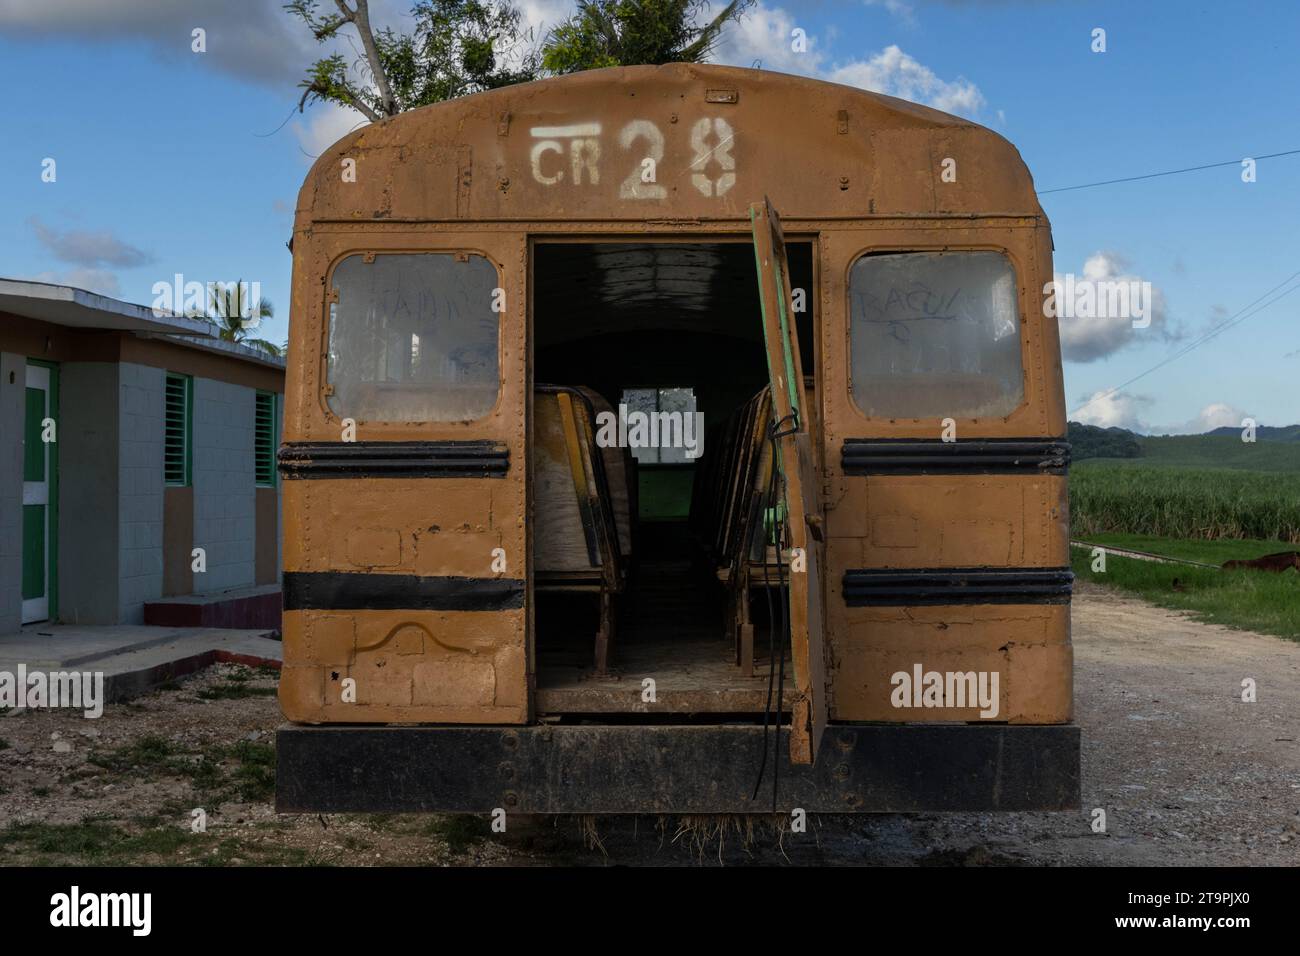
x=135, y=659
x=258, y=607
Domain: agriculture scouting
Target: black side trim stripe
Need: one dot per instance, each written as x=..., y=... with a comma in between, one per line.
x=362, y=591
x=914, y=587
x=980, y=456
x=394, y=459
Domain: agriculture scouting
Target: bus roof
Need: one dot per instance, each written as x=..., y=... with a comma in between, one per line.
x=679, y=142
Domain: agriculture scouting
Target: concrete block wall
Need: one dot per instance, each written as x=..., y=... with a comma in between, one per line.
x=12, y=406
x=140, y=488
x=225, y=515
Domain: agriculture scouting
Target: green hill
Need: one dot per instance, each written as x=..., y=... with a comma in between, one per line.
x=1090, y=441
x=1263, y=432
x=1220, y=451
x=1276, y=449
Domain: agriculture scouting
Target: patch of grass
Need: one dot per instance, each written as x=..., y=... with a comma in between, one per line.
x=94, y=840
x=1252, y=600
x=235, y=690
x=89, y=839
x=160, y=841
x=238, y=684
x=254, y=777
x=97, y=840
x=171, y=812
x=206, y=776
x=40, y=791
x=251, y=778
x=147, y=754
x=460, y=831
x=233, y=852
x=153, y=756
x=1207, y=552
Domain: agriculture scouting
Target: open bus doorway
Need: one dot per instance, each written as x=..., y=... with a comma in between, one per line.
x=663, y=341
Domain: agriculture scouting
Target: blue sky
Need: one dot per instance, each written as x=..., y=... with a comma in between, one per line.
x=170, y=161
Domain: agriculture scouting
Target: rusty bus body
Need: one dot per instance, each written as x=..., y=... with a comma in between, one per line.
x=925, y=488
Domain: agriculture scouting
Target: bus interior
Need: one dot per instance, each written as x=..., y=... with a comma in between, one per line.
x=633, y=578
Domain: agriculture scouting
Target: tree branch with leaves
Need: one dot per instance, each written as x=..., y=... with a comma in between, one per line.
x=466, y=46
x=457, y=47
x=633, y=32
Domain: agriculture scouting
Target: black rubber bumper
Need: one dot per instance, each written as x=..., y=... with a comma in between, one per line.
x=611, y=769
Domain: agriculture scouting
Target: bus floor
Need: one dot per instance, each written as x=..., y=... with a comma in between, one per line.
x=670, y=652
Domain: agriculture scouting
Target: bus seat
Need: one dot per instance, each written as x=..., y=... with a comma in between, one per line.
x=734, y=507
x=582, y=502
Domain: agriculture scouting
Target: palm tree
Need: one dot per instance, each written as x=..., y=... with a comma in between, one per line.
x=230, y=310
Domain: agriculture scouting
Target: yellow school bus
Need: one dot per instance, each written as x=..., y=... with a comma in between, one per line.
x=674, y=439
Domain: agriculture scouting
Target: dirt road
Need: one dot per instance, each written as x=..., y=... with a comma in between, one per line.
x=1185, y=771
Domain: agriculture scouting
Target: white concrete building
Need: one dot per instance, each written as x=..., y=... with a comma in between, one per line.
x=137, y=463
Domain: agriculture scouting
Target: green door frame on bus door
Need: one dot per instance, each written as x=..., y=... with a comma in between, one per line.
x=40, y=492
x=794, y=460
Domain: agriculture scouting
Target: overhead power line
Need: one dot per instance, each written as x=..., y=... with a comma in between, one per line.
x=1236, y=319
x=1167, y=172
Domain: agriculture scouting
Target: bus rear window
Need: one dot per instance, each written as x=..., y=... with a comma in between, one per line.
x=935, y=335
x=413, y=338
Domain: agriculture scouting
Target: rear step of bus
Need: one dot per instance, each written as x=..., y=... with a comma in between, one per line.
x=603, y=768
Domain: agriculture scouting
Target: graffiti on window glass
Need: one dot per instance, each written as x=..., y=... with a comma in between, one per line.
x=943, y=319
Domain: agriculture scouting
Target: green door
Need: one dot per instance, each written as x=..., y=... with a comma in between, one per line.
x=39, y=465
x=809, y=711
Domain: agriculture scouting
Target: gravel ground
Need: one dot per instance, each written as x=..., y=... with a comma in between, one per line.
x=1185, y=771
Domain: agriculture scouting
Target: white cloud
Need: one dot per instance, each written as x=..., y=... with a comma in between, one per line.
x=1108, y=409
x=259, y=41
x=893, y=72
x=897, y=8
x=1086, y=338
x=1216, y=415
x=253, y=40
x=324, y=126
x=542, y=16
x=763, y=35
x=89, y=249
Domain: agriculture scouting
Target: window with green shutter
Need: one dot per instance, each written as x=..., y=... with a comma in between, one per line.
x=178, y=429
x=264, y=439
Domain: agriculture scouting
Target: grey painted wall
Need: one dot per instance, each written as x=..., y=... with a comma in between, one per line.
x=225, y=508
x=12, y=404
x=89, y=427
x=140, y=489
